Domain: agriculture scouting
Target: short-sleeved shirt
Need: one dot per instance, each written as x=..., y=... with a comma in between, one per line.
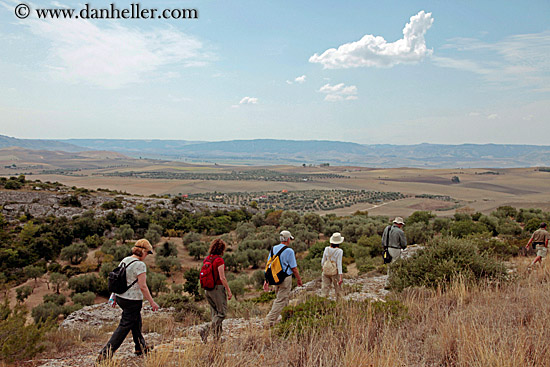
x=540, y=236
x=288, y=259
x=218, y=260
x=132, y=272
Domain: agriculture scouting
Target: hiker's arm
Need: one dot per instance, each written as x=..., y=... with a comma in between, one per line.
x=221, y=271
x=403, y=239
x=339, y=264
x=324, y=257
x=297, y=275
x=531, y=240
x=142, y=282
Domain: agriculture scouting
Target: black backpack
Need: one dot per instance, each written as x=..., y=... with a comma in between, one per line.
x=117, y=279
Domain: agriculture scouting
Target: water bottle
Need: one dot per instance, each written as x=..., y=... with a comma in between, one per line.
x=112, y=300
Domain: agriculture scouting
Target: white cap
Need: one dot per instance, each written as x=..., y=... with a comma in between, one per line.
x=285, y=235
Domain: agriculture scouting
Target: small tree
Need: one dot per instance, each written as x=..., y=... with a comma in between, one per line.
x=22, y=293
x=191, y=285
x=167, y=264
x=197, y=250
x=156, y=282
x=75, y=253
x=32, y=271
x=125, y=233
x=85, y=299
x=57, y=279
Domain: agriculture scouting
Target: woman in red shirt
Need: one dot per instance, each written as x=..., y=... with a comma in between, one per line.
x=217, y=298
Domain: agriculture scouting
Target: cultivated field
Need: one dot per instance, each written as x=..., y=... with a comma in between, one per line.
x=478, y=189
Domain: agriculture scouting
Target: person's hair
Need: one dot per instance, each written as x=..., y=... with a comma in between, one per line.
x=217, y=247
x=138, y=251
x=139, y=247
x=334, y=245
x=543, y=225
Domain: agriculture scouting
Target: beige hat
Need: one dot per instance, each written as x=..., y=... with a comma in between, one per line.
x=144, y=244
x=285, y=235
x=336, y=238
x=398, y=220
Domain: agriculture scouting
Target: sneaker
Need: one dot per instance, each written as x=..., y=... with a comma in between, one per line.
x=140, y=352
x=204, y=335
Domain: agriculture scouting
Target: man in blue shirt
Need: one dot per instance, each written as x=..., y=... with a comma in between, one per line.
x=288, y=263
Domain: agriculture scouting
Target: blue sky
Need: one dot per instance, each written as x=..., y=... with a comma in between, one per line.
x=399, y=72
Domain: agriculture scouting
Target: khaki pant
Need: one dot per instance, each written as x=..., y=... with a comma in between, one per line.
x=395, y=254
x=283, y=297
x=331, y=280
x=217, y=299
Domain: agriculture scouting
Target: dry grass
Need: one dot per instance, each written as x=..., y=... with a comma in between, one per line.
x=464, y=325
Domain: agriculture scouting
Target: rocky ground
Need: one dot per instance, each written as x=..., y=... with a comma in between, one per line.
x=41, y=203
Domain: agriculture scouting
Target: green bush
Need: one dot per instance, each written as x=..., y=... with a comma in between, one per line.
x=58, y=299
x=441, y=261
x=156, y=282
x=85, y=299
x=23, y=292
x=88, y=282
x=191, y=285
x=264, y=297
x=315, y=312
x=167, y=249
x=75, y=253
x=19, y=341
x=183, y=305
x=46, y=311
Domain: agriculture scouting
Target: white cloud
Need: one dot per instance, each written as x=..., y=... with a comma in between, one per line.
x=249, y=100
x=339, y=92
x=300, y=79
x=516, y=61
x=376, y=51
x=110, y=55
x=177, y=99
x=492, y=116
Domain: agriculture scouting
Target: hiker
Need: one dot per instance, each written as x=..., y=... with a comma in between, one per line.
x=540, y=239
x=131, y=302
x=332, y=266
x=289, y=267
x=393, y=240
x=218, y=296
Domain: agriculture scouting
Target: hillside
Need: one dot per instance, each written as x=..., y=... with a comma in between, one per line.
x=273, y=151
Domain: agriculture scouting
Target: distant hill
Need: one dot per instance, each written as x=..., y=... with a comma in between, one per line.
x=6, y=142
x=272, y=151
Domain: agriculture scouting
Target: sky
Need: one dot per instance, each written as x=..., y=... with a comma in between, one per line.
x=369, y=72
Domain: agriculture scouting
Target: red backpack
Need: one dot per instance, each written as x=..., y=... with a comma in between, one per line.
x=207, y=276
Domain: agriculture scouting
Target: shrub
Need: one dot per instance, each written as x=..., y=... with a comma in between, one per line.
x=264, y=297
x=88, y=283
x=191, y=237
x=23, y=292
x=156, y=282
x=85, y=299
x=167, y=249
x=111, y=205
x=258, y=278
x=75, y=253
x=197, y=249
x=191, y=285
x=237, y=287
x=168, y=264
x=58, y=299
x=70, y=200
x=315, y=312
x=46, y=311
x=17, y=340
x=185, y=308
x=443, y=260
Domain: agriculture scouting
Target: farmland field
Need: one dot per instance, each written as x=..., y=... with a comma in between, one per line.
x=419, y=189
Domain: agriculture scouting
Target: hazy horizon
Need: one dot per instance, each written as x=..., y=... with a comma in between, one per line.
x=401, y=73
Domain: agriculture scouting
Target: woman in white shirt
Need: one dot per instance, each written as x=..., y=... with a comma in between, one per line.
x=332, y=272
x=131, y=302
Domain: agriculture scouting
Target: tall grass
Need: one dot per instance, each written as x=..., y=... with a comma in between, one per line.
x=462, y=324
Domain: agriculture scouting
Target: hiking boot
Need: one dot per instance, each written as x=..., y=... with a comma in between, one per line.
x=146, y=350
x=203, y=332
